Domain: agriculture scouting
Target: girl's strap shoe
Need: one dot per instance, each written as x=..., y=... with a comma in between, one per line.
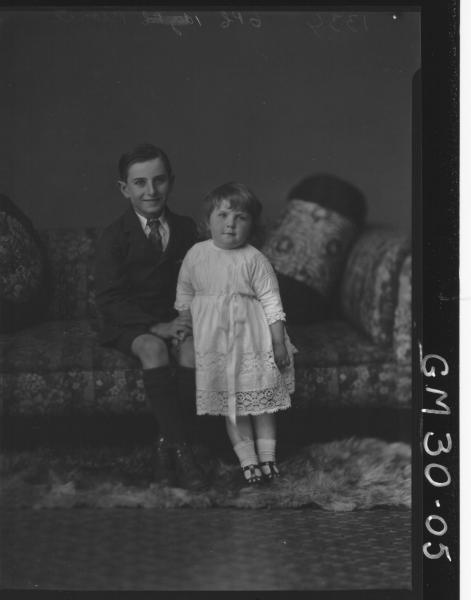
x=269, y=470
x=252, y=474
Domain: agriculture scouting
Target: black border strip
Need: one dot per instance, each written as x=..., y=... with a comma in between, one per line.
x=435, y=294
x=437, y=258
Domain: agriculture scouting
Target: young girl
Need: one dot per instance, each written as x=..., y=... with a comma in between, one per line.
x=244, y=359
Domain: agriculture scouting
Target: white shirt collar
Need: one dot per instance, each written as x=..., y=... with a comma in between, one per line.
x=143, y=220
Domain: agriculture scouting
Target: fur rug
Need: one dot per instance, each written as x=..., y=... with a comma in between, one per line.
x=350, y=474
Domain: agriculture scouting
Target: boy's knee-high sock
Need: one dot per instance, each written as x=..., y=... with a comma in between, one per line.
x=160, y=387
x=186, y=387
x=266, y=450
x=246, y=453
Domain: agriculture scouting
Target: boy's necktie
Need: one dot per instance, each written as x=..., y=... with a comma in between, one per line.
x=154, y=234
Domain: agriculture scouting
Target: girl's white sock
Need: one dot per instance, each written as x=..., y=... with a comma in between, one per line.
x=266, y=450
x=246, y=453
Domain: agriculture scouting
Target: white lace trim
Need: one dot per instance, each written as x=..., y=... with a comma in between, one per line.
x=277, y=316
x=256, y=402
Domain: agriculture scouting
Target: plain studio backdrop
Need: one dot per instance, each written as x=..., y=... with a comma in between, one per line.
x=265, y=98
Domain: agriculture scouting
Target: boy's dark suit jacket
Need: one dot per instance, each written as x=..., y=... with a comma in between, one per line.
x=134, y=290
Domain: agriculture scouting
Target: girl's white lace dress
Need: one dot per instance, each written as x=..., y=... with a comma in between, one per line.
x=233, y=297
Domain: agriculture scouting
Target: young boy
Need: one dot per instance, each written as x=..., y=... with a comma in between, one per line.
x=137, y=264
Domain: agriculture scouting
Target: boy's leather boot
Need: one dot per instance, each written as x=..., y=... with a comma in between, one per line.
x=189, y=474
x=164, y=469
x=161, y=391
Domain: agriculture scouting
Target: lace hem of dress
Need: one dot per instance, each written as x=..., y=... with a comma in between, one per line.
x=223, y=413
x=254, y=402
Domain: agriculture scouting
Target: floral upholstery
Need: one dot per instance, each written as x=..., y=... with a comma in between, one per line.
x=371, y=385
x=370, y=285
x=21, y=265
x=24, y=277
x=58, y=368
x=402, y=317
x=310, y=244
x=72, y=254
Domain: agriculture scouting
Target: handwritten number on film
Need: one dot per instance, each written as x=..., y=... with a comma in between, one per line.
x=435, y=473
x=338, y=22
x=236, y=17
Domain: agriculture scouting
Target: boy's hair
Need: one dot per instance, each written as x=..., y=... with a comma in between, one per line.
x=240, y=197
x=142, y=153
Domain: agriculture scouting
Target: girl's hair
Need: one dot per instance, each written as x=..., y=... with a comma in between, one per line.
x=239, y=197
x=142, y=153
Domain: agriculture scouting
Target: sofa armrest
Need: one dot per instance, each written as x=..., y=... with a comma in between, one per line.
x=402, y=341
x=369, y=292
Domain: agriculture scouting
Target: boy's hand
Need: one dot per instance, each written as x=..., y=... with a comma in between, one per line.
x=184, y=325
x=281, y=355
x=178, y=329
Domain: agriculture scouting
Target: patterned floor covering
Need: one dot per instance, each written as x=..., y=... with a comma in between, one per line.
x=205, y=549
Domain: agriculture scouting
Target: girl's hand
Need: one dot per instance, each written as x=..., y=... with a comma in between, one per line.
x=281, y=355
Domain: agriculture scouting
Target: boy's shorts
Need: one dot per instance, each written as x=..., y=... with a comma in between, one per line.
x=125, y=339
x=122, y=336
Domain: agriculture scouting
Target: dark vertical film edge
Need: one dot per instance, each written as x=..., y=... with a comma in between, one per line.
x=417, y=330
x=439, y=331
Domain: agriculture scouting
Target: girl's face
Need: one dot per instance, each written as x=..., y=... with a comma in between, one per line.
x=230, y=227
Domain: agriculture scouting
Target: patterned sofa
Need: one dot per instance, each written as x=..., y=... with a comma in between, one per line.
x=362, y=357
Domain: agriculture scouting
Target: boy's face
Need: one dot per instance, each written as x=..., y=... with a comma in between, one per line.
x=147, y=187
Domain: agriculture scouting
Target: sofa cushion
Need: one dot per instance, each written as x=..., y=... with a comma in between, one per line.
x=370, y=284
x=57, y=368
x=69, y=345
x=309, y=244
x=74, y=392
x=121, y=391
x=72, y=345
x=23, y=272
x=381, y=384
